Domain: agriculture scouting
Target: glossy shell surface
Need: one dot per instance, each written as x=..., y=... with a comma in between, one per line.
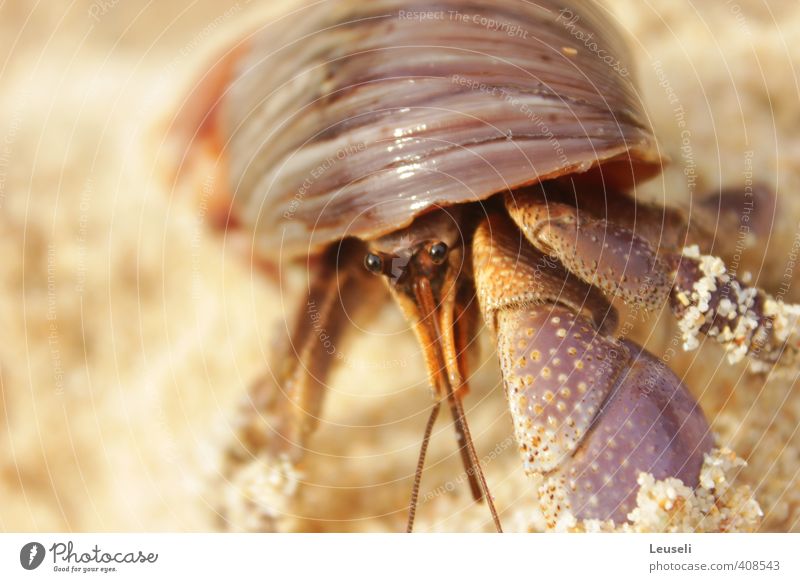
x=352, y=118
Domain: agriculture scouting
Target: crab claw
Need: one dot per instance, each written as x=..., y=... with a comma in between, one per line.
x=595, y=412
x=590, y=411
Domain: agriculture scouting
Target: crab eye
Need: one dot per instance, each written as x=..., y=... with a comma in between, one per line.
x=373, y=263
x=438, y=252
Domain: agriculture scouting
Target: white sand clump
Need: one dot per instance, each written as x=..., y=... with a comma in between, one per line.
x=261, y=495
x=718, y=504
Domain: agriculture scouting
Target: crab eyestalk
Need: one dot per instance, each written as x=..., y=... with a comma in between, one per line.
x=422, y=266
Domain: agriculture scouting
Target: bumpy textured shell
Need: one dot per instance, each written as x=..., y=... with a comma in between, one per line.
x=351, y=118
x=595, y=412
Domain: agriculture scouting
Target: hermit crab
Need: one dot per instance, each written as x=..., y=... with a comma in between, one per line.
x=480, y=159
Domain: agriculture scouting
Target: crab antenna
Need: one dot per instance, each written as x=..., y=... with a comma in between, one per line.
x=424, y=299
x=412, y=507
x=475, y=463
x=459, y=422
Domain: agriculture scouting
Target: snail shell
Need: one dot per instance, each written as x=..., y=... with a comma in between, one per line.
x=352, y=118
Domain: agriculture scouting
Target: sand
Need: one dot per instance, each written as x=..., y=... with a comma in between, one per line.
x=131, y=330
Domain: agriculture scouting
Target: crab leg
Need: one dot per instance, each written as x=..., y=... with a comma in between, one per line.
x=704, y=296
x=590, y=412
x=746, y=320
x=283, y=406
x=669, y=228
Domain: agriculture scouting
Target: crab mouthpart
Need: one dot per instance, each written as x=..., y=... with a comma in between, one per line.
x=434, y=321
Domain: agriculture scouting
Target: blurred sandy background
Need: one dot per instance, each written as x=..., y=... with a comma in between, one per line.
x=129, y=331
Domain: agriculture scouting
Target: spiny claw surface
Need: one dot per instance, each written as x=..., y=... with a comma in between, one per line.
x=649, y=424
x=557, y=375
x=595, y=412
x=611, y=257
